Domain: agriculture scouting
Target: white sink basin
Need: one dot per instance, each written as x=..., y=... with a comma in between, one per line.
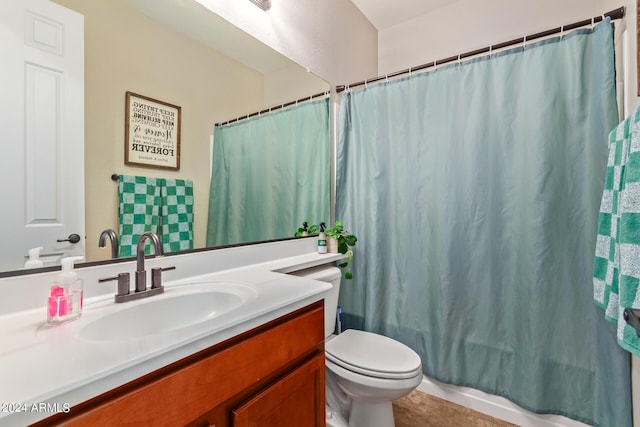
x=177, y=308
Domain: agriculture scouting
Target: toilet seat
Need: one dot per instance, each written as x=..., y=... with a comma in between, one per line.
x=373, y=355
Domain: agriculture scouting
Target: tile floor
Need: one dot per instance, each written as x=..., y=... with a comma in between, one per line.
x=418, y=409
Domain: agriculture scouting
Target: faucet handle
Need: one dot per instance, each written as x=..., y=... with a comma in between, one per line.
x=123, y=283
x=156, y=276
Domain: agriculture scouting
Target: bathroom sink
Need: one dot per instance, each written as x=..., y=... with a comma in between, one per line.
x=179, y=307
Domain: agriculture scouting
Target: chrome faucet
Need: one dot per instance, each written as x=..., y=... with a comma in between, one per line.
x=141, y=273
x=113, y=238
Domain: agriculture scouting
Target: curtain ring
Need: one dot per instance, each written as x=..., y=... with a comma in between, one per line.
x=410, y=71
x=561, y=32
x=458, y=59
x=435, y=65
x=386, y=78
x=365, y=84
x=593, y=21
x=490, y=50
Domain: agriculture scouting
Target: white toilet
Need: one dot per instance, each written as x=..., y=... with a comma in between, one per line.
x=365, y=371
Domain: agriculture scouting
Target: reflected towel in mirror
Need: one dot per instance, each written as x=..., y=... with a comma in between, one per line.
x=163, y=206
x=139, y=210
x=177, y=214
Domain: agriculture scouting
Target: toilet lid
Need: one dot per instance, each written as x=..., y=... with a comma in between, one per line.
x=373, y=355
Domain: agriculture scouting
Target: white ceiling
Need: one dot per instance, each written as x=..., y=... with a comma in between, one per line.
x=387, y=13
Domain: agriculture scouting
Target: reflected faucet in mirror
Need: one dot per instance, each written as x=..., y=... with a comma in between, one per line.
x=113, y=239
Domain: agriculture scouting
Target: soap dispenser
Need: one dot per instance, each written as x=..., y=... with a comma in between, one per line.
x=34, y=260
x=322, y=240
x=66, y=294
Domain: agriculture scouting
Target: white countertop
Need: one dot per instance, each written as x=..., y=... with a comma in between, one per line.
x=40, y=364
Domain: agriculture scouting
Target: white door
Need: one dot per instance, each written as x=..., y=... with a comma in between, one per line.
x=42, y=131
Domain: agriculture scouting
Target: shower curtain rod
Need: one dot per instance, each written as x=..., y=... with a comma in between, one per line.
x=614, y=14
x=277, y=107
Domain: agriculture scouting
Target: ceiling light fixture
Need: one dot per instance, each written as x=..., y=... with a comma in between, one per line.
x=262, y=4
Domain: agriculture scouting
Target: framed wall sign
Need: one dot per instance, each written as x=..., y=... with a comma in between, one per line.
x=152, y=133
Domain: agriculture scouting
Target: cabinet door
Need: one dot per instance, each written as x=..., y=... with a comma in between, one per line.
x=296, y=400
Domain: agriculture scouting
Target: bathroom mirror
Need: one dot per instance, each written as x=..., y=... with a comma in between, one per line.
x=180, y=53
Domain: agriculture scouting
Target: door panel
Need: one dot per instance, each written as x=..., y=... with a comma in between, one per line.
x=42, y=143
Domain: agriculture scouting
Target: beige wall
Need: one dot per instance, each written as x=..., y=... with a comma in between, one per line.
x=125, y=51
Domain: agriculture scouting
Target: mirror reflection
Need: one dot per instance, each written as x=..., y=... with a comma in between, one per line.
x=179, y=53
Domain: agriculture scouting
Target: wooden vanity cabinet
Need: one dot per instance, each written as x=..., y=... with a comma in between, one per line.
x=271, y=376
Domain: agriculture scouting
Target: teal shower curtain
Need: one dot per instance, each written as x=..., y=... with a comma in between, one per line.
x=270, y=173
x=474, y=191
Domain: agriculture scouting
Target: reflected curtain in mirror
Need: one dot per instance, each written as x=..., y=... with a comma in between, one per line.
x=486, y=178
x=270, y=173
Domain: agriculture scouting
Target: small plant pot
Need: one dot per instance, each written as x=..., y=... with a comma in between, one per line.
x=332, y=245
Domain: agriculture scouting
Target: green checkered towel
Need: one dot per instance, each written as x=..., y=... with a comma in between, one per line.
x=139, y=210
x=616, y=271
x=177, y=215
x=155, y=204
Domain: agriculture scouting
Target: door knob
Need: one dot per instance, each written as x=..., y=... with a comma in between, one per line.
x=73, y=238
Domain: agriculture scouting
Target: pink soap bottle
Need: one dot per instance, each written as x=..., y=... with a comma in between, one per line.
x=66, y=294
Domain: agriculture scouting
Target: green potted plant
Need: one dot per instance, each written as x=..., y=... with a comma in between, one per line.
x=343, y=240
x=306, y=230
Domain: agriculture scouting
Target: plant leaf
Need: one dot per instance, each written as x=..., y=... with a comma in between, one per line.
x=342, y=247
x=348, y=275
x=351, y=239
x=343, y=265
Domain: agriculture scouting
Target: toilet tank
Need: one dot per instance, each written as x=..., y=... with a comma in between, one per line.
x=331, y=275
